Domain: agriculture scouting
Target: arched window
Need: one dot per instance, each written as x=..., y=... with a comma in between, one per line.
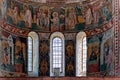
x=81, y=54
x=33, y=54
x=57, y=54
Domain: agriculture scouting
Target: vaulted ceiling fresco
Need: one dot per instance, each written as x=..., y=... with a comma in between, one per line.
x=55, y=15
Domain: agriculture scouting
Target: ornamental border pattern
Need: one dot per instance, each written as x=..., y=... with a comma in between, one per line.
x=116, y=38
x=24, y=32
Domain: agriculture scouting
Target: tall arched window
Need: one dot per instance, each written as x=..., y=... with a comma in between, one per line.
x=33, y=54
x=81, y=54
x=57, y=55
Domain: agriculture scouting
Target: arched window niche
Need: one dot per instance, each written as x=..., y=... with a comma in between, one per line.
x=81, y=54
x=57, y=54
x=33, y=54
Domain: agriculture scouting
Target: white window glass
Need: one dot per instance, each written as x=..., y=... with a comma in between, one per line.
x=57, y=54
x=84, y=54
x=30, y=54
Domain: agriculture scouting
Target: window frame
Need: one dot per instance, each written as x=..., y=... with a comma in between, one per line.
x=60, y=35
x=35, y=50
x=80, y=54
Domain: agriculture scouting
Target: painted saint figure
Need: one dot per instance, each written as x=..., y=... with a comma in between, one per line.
x=28, y=18
x=88, y=16
x=42, y=18
x=62, y=19
x=3, y=9
x=5, y=57
x=95, y=13
x=5, y=53
x=39, y=17
x=71, y=19
x=15, y=14
x=55, y=21
x=93, y=56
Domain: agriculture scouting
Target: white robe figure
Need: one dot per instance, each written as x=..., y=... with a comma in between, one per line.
x=55, y=20
x=28, y=18
x=88, y=16
x=95, y=15
x=3, y=8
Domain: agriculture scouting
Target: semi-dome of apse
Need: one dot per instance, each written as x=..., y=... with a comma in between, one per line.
x=56, y=15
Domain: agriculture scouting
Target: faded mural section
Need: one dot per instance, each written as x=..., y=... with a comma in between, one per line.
x=6, y=48
x=20, y=54
x=101, y=53
x=13, y=53
x=107, y=53
x=94, y=53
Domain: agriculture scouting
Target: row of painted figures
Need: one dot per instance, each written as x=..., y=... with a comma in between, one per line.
x=51, y=18
x=93, y=56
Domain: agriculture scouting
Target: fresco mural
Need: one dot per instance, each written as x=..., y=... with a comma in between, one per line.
x=100, y=53
x=13, y=52
x=80, y=18
x=50, y=18
x=62, y=19
x=43, y=17
x=7, y=47
x=20, y=54
x=57, y=19
x=93, y=54
x=70, y=58
x=107, y=54
x=54, y=20
x=3, y=9
x=70, y=54
x=71, y=18
x=44, y=58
